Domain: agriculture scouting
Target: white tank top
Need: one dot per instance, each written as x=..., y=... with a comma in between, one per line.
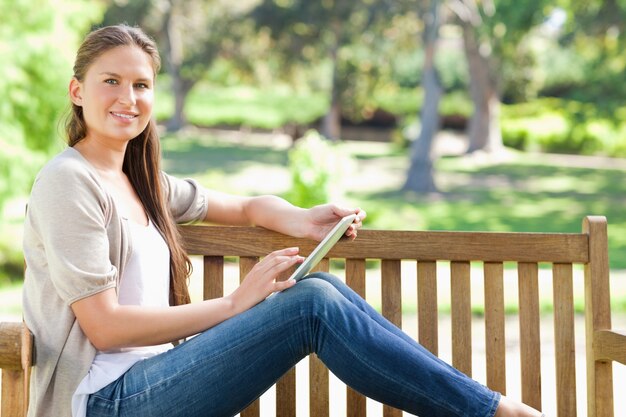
x=146, y=282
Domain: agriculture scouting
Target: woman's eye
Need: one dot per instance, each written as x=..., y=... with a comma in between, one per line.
x=110, y=81
x=142, y=85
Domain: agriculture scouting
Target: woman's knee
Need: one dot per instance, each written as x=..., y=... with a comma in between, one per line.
x=318, y=290
x=325, y=276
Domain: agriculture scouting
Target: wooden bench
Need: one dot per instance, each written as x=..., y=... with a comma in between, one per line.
x=429, y=252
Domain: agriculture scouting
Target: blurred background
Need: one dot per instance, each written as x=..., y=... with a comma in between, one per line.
x=492, y=115
x=453, y=114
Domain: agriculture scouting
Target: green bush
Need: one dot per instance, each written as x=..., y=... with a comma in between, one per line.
x=317, y=169
x=562, y=126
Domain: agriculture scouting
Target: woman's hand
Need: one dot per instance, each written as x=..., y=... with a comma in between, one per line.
x=321, y=219
x=261, y=281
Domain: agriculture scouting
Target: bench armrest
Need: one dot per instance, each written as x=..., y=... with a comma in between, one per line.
x=610, y=345
x=16, y=346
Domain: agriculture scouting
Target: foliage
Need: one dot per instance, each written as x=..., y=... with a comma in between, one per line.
x=317, y=169
x=563, y=126
x=37, y=41
x=352, y=43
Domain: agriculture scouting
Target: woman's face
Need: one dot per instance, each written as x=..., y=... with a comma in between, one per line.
x=116, y=95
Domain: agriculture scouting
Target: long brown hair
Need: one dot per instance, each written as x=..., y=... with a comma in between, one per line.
x=142, y=161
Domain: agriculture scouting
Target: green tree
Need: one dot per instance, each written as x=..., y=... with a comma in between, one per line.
x=342, y=34
x=37, y=43
x=596, y=32
x=420, y=176
x=492, y=32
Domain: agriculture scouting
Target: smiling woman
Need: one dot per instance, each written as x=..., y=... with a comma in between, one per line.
x=105, y=261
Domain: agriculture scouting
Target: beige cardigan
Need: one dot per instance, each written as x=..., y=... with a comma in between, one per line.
x=76, y=245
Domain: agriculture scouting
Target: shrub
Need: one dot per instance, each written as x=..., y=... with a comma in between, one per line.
x=317, y=170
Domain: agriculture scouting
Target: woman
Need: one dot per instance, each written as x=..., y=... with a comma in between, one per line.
x=105, y=291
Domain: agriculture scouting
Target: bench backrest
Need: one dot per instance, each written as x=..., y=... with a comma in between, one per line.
x=428, y=252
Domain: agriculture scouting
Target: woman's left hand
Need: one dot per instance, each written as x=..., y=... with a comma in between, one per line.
x=321, y=219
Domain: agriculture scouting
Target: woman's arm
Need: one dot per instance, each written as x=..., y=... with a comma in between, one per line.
x=110, y=325
x=277, y=214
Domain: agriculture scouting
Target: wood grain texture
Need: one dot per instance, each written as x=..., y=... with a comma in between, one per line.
x=387, y=244
x=564, y=339
x=355, y=279
x=461, y=312
x=213, y=277
x=427, y=317
x=597, y=317
x=528, y=276
x=246, y=263
x=11, y=345
x=494, y=326
x=391, y=306
x=610, y=345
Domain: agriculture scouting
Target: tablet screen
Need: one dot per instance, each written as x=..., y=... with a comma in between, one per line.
x=324, y=246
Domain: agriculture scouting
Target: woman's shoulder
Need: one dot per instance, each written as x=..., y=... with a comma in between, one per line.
x=68, y=173
x=67, y=167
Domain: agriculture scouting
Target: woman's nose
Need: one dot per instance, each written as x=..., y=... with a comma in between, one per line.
x=127, y=95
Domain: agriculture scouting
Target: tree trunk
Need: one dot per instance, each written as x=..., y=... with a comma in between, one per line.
x=173, y=51
x=484, y=125
x=420, y=176
x=331, y=123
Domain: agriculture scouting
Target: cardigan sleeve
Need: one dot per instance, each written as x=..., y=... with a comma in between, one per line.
x=188, y=200
x=68, y=214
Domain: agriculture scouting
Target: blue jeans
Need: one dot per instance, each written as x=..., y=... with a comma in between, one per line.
x=222, y=370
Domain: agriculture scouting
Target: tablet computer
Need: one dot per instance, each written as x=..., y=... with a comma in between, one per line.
x=322, y=249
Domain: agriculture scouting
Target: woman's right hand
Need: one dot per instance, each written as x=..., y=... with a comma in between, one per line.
x=261, y=281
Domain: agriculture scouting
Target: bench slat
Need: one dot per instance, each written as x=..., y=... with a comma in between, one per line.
x=495, y=347
x=564, y=341
x=355, y=278
x=246, y=263
x=528, y=279
x=377, y=244
x=427, y=305
x=391, y=306
x=461, y=313
x=213, y=277
x=318, y=373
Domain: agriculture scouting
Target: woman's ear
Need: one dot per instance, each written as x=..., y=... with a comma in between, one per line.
x=75, y=91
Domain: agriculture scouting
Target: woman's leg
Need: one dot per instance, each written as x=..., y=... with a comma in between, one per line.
x=223, y=369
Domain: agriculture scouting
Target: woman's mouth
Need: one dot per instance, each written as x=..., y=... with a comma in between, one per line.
x=125, y=116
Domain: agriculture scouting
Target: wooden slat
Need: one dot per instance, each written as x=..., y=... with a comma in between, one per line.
x=286, y=389
x=461, y=313
x=610, y=346
x=427, y=331
x=564, y=340
x=494, y=326
x=213, y=276
x=528, y=275
x=597, y=317
x=286, y=394
x=378, y=244
x=12, y=393
x=318, y=372
x=391, y=306
x=355, y=278
x=246, y=263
